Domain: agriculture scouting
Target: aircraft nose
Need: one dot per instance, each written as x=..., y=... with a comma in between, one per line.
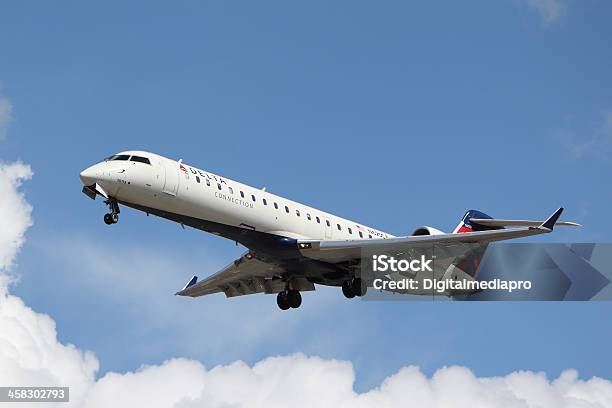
x=89, y=176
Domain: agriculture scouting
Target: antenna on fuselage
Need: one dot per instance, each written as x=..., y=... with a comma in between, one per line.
x=263, y=189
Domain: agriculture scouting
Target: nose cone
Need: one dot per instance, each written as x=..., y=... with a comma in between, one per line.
x=89, y=176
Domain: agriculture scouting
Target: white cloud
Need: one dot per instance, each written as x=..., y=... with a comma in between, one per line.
x=550, y=11
x=16, y=212
x=6, y=115
x=302, y=381
x=29, y=350
x=30, y=354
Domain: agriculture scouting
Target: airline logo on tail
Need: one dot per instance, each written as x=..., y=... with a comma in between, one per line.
x=467, y=225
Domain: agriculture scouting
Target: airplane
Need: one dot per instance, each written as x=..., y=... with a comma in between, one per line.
x=290, y=246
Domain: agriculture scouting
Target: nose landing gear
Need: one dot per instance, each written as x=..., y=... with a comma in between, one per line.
x=111, y=217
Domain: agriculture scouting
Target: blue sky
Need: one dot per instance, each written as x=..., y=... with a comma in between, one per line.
x=396, y=115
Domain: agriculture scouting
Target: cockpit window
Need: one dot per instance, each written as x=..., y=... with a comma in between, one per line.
x=141, y=159
x=118, y=157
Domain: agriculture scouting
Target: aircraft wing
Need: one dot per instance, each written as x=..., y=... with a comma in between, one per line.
x=245, y=276
x=347, y=250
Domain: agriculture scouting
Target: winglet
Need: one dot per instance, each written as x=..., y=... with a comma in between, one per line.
x=191, y=282
x=550, y=222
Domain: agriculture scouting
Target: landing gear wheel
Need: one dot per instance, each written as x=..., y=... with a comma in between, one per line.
x=358, y=287
x=347, y=289
x=108, y=219
x=294, y=298
x=281, y=301
x=113, y=216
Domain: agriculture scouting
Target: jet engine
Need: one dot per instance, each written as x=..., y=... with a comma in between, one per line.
x=425, y=230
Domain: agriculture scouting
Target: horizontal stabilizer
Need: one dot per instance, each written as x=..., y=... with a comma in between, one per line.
x=519, y=223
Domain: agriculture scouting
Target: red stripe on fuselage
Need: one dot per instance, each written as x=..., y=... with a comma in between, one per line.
x=464, y=229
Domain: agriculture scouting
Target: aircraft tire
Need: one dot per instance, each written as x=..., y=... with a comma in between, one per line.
x=281, y=301
x=347, y=289
x=108, y=219
x=294, y=298
x=358, y=288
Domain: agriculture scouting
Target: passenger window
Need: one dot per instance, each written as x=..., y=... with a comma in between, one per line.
x=208, y=182
x=360, y=234
x=276, y=206
x=242, y=194
x=318, y=220
x=197, y=179
x=370, y=236
x=350, y=231
x=339, y=227
x=219, y=186
x=297, y=212
x=231, y=190
x=308, y=217
x=140, y=159
x=287, y=209
x=327, y=222
x=253, y=197
x=264, y=201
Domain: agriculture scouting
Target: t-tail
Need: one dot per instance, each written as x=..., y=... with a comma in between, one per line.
x=477, y=221
x=470, y=261
x=467, y=223
x=474, y=221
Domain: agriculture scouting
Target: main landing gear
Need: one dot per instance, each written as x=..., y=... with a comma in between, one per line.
x=112, y=217
x=289, y=298
x=354, y=287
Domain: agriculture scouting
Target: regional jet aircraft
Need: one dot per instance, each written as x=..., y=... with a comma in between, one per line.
x=291, y=246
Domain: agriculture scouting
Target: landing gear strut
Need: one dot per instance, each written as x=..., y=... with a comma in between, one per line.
x=289, y=298
x=111, y=217
x=353, y=287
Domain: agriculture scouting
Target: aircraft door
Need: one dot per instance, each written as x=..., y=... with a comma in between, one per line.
x=328, y=230
x=171, y=177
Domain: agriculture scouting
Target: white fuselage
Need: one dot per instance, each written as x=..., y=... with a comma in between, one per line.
x=179, y=188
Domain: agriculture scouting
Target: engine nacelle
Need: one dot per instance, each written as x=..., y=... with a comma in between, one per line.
x=425, y=230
